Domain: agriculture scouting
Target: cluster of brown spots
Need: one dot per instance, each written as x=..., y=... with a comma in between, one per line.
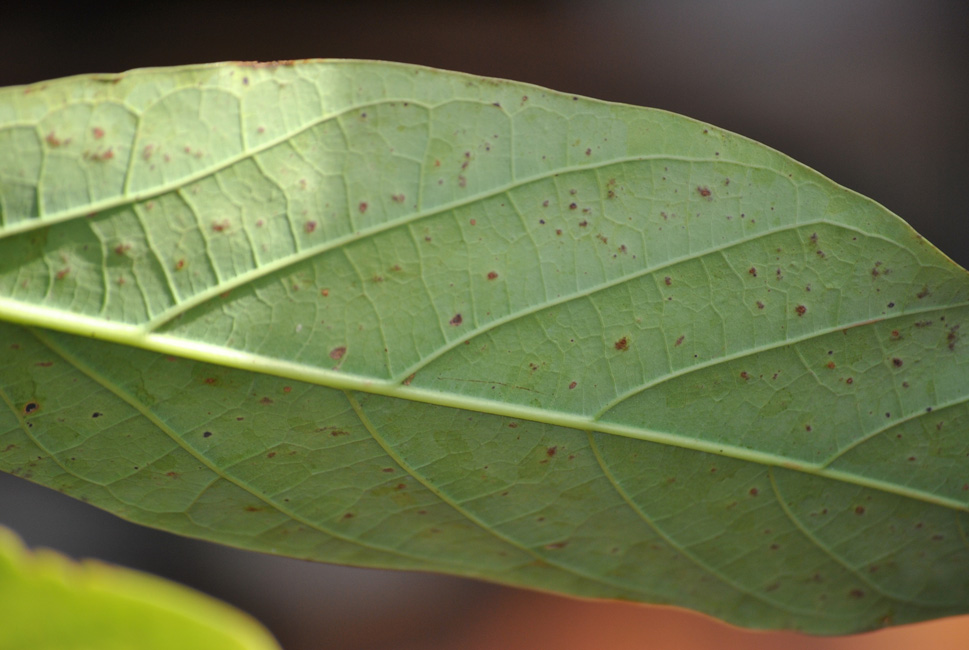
x=668, y=281
x=752, y=271
x=337, y=353
x=266, y=400
x=744, y=375
x=397, y=198
x=456, y=320
x=897, y=362
x=952, y=337
x=704, y=192
x=622, y=344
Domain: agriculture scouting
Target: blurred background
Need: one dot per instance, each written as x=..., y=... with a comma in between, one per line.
x=872, y=93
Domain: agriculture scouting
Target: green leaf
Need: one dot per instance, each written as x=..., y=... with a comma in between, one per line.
x=47, y=601
x=389, y=316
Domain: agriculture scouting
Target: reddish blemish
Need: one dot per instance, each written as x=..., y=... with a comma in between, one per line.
x=512, y=425
x=572, y=206
x=760, y=305
x=551, y=451
x=310, y=226
x=556, y=545
x=588, y=152
x=573, y=385
x=668, y=280
x=897, y=362
x=271, y=454
x=337, y=353
x=220, y=226
x=287, y=389
x=52, y=140
x=856, y=593
x=409, y=379
x=362, y=207
x=860, y=510
x=752, y=271
x=754, y=492
x=473, y=222
x=31, y=407
x=63, y=273
x=456, y=320
x=387, y=470
x=849, y=380
x=338, y=432
x=492, y=275
x=801, y=310
x=744, y=375
x=266, y=400
x=348, y=515
x=211, y=380
x=583, y=223
x=830, y=365
x=179, y=265
x=622, y=344
x=704, y=192
x=97, y=132
x=121, y=249
x=679, y=341
x=325, y=293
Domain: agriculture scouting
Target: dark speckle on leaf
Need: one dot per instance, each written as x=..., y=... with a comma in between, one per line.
x=456, y=320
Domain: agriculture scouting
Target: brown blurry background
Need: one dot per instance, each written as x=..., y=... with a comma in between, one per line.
x=872, y=93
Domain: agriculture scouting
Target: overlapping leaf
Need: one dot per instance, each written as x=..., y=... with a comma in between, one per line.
x=391, y=316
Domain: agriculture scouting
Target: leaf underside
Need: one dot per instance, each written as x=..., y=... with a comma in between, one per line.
x=389, y=316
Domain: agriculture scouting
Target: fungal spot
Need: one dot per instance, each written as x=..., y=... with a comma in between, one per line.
x=573, y=385
x=622, y=344
x=409, y=379
x=473, y=222
x=220, y=226
x=456, y=320
x=668, y=281
x=310, y=227
x=556, y=545
x=703, y=191
x=679, y=341
x=348, y=515
x=492, y=275
x=31, y=407
x=551, y=451
x=830, y=365
x=923, y=293
x=897, y=362
x=96, y=414
x=397, y=198
x=744, y=375
x=336, y=433
x=752, y=271
x=860, y=510
x=573, y=206
x=63, y=273
x=801, y=310
x=211, y=380
x=760, y=305
x=754, y=492
x=362, y=207
x=337, y=353
x=849, y=380
x=266, y=400
x=271, y=454
x=952, y=337
x=97, y=132
x=387, y=470
x=856, y=593
x=325, y=293
x=52, y=140
x=206, y=434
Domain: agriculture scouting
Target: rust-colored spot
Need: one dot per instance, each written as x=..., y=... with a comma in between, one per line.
x=512, y=425
x=551, y=451
x=492, y=275
x=387, y=470
x=287, y=389
x=583, y=223
x=44, y=364
x=456, y=320
x=573, y=206
x=830, y=365
x=856, y=593
x=63, y=273
x=849, y=380
x=744, y=375
x=337, y=353
x=556, y=545
x=310, y=227
x=325, y=292
x=573, y=385
x=362, y=207
x=752, y=271
x=339, y=432
x=348, y=515
x=754, y=492
x=622, y=344
x=97, y=132
x=211, y=380
x=52, y=140
x=409, y=379
x=703, y=191
x=679, y=341
x=253, y=509
x=801, y=310
x=220, y=226
x=897, y=362
x=668, y=280
x=271, y=454
x=860, y=510
x=923, y=293
x=121, y=249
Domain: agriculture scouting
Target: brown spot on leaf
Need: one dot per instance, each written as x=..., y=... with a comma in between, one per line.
x=860, y=510
x=556, y=545
x=897, y=362
x=703, y=191
x=492, y=275
x=337, y=353
x=754, y=492
x=31, y=407
x=310, y=227
x=456, y=320
x=551, y=451
x=97, y=132
x=573, y=385
x=622, y=344
x=801, y=310
x=679, y=341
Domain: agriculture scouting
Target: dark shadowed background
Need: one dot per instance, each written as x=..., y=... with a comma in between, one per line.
x=872, y=93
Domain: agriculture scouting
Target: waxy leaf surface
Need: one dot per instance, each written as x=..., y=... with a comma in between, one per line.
x=390, y=316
